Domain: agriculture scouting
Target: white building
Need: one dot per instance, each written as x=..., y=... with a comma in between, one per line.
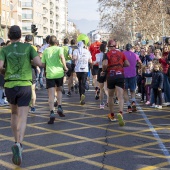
x=104, y=35
x=49, y=16
x=71, y=27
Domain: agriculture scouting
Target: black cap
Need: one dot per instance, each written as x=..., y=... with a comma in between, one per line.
x=15, y=28
x=128, y=47
x=47, y=39
x=14, y=32
x=28, y=38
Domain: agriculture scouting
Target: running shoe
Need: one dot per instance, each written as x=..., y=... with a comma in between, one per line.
x=153, y=105
x=32, y=110
x=52, y=117
x=69, y=94
x=133, y=107
x=82, y=102
x=102, y=106
x=17, y=154
x=120, y=119
x=129, y=110
x=158, y=107
x=60, y=112
x=111, y=117
x=148, y=103
x=142, y=101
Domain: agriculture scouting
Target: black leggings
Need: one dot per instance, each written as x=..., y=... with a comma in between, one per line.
x=82, y=77
x=157, y=94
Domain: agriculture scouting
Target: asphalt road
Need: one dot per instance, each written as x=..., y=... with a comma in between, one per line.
x=86, y=140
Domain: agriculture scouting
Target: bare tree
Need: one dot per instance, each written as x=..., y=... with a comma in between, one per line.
x=125, y=18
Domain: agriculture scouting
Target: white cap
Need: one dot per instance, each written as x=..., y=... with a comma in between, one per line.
x=97, y=37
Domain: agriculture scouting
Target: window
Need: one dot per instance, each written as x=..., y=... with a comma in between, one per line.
x=7, y=16
x=27, y=14
x=26, y=26
x=3, y=15
x=26, y=3
x=7, y=2
x=3, y=1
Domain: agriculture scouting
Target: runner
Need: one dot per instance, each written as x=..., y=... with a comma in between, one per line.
x=82, y=59
x=113, y=63
x=130, y=78
x=29, y=40
x=94, y=49
x=101, y=78
x=73, y=74
x=41, y=50
x=16, y=58
x=68, y=59
x=54, y=61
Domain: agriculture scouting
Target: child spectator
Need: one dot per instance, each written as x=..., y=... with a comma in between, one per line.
x=157, y=84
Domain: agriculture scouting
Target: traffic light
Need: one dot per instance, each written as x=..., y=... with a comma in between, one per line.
x=34, y=29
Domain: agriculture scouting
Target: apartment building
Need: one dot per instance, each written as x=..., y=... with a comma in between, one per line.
x=5, y=18
x=55, y=18
x=63, y=19
x=16, y=13
x=32, y=13
x=49, y=16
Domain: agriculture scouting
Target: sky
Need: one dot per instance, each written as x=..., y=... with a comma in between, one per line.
x=83, y=9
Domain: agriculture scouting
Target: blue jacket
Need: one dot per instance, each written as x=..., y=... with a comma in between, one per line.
x=157, y=79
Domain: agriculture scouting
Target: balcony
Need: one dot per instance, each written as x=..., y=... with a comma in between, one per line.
x=27, y=16
x=51, y=15
x=26, y=28
x=51, y=31
x=45, y=30
x=51, y=5
x=56, y=9
x=27, y=5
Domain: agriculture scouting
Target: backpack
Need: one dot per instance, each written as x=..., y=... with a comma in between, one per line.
x=66, y=53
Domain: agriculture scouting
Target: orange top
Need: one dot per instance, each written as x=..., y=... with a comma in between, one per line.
x=94, y=49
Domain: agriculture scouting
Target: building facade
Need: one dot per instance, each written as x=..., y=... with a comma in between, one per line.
x=49, y=16
x=5, y=22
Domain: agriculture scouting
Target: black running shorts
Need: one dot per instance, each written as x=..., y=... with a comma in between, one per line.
x=94, y=70
x=54, y=82
x=19, y=95
x=101, y=79
x=111, y=83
